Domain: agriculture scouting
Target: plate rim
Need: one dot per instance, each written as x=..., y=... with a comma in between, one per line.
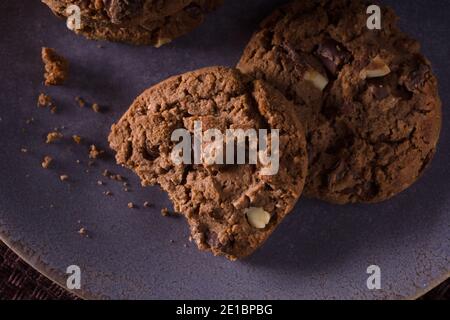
x=26, y=254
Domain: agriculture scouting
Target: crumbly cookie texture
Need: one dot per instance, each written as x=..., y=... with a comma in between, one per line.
x=368, y=98
x=56, y=67
x=139, y=22
x=231, y=209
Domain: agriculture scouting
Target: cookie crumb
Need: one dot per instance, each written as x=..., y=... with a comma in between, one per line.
x=131, y=205
x=44, y=100
x=83, y=232
x=56, y=67
x=100, y=183
x=54, y=136
x=165, y=212
x=53, y=109
x=117, y=177
x=64, y=177
x=126, y=189
x=80, y=101
x=47, y=162
x=147, y=204
x=107, y=193
x=96, y=108
x=24, y=150
x=29, y=121
x=106, y=173
x=77, y=139
x=95, y=153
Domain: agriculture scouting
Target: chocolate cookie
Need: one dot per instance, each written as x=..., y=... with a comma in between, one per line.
x=140, y=22
x=231, y=208
x=368, y=97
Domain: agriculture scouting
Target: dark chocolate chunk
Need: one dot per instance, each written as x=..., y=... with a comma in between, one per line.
x=380, y=92
x=418, y=78
x=333, y=55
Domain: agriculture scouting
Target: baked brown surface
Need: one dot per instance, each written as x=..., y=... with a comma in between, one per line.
x=215, y=199
x=139, y=22
x=368, y=98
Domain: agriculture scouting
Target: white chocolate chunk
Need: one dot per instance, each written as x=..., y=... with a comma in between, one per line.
x=257, y=217
x=377, y=68
x=319, y=81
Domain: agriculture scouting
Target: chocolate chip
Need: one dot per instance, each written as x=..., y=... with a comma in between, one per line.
x=380, y=92
x=333, y=55
x=418, y=78
x=121, y=10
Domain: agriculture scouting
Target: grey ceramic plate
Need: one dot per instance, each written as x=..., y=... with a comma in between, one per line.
x=320, y=251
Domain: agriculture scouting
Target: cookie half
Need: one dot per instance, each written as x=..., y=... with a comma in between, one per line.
x=139, y=22
x=231, y=208
x=368, y=98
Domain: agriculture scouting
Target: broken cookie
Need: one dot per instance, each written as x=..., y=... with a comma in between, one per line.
x=231, y=206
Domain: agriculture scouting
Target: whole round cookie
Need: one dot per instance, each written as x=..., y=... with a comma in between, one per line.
x=231, y=206
x=139, y=22
x=368, y=97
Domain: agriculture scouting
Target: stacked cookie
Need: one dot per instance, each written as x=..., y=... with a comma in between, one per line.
x=357, y=110
x=139, y=22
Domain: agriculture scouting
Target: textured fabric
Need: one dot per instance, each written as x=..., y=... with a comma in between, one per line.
x=19, y=281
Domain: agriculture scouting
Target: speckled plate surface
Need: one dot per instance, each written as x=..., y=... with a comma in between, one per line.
x=320, y=251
